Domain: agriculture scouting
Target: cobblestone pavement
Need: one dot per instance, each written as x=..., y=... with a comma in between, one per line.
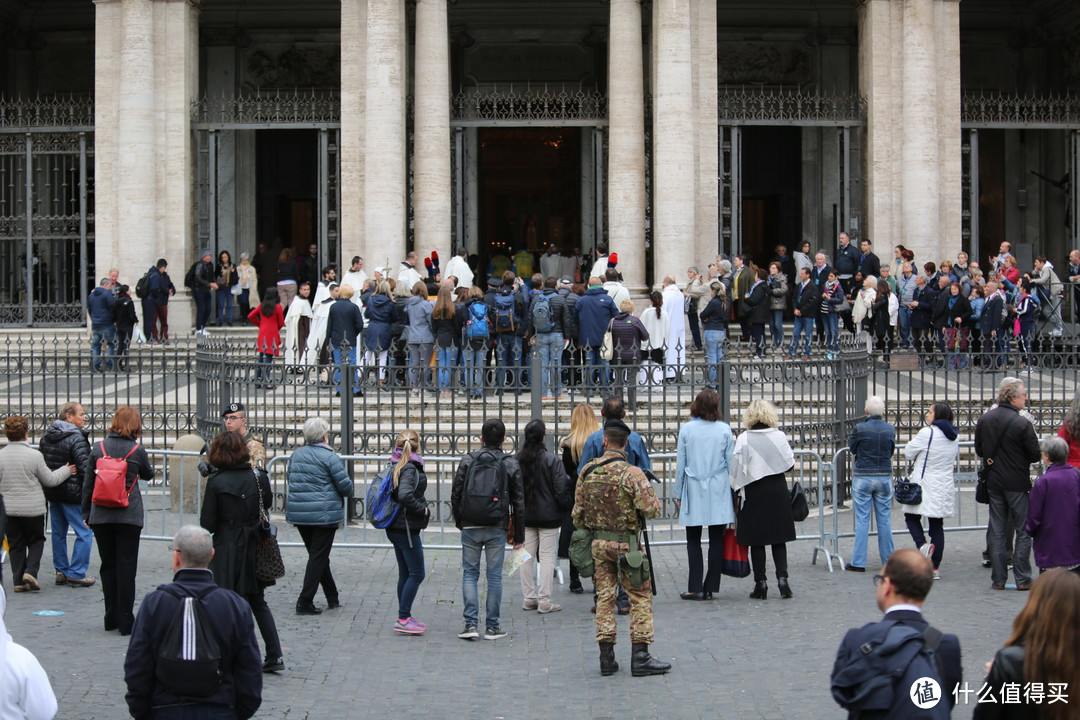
x=732, y=657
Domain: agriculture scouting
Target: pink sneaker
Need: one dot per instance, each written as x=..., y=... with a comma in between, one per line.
x=410, y=627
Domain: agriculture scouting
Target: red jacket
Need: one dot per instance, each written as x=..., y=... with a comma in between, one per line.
x=1074, y=448
x=269, y=329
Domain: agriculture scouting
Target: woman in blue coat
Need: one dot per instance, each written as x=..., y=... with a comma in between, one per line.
x=703, y=497
x=381, y=313
x=318, y=484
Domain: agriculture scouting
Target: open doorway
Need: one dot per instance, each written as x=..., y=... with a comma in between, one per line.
x=529, y=192
x=287, y=188
x=771, y=190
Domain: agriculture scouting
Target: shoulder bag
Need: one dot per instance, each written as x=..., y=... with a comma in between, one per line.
x=607, y=348
x=800, y=508
x=268, y=563
x=907, y=492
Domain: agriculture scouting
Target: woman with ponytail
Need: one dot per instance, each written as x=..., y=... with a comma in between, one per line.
x=410, y=482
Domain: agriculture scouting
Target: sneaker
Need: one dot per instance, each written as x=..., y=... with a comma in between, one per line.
x=549, y=607
x=529, y=604
x=937, y=575
x=80, y=582
x=494, y=633
x=271, y=665
x=469, y=633
x=409, y=626
x=927, y=549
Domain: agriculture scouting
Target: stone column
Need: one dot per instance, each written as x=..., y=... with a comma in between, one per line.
x=707, y=139
x=909, y=72
x=626, y=143
x=432, y=189
x=384, y=159
x=108, y=43
x=353, y=131
x=673, y=143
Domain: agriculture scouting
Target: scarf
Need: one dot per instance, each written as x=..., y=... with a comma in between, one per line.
x=758, y=454
x=413, y=457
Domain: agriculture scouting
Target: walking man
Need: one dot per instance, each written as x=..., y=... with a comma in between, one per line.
x=872, y=443
x=156, y=303
x=102, y=329
x=613, y=500
x=486, y=485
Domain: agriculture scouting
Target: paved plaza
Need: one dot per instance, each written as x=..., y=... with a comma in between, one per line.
x=732, y=657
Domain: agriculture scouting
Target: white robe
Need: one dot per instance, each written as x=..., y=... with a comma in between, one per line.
x=356, y=281
x=460, y=269
x=407, y=274
x=549, y=265
x=318, y=330
x=299, y=308
x=599, y=269
x=675, y=354
x=25, y=691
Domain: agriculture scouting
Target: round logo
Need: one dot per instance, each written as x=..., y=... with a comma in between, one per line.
x=925, y=693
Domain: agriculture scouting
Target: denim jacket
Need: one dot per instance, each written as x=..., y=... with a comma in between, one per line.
x=872, y=443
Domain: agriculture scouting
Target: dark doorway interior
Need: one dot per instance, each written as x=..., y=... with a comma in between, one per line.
x=287, y=188
x=530, y=190
x=991, y=194
x=771, y=190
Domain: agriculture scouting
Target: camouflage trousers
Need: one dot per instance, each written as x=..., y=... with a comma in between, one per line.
x=606, y=579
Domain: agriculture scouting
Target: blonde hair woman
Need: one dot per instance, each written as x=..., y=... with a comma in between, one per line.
x=410, y=483
x=582, y=424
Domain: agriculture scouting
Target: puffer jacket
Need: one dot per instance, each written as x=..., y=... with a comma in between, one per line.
x=933, y=469
x=412, y=484
x=629, y=336
x=317, y=484
x=548, y=494
x=381, y=313
x=138, y=467
x=64, y=443
x=22, y=475
x=778, y=291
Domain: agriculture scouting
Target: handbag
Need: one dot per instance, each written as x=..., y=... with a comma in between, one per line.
x=607, y=348
x=800, y=508
x=268, y=563
x=735, y=561
x=907, y=492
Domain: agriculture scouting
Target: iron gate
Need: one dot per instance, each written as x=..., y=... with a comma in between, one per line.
x=46, y=211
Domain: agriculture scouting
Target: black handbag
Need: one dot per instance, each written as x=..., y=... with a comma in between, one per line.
x=800, y=508
x=907, y=492
x=269, y=566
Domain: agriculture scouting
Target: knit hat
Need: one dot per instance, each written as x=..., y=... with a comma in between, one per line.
x=205, y=252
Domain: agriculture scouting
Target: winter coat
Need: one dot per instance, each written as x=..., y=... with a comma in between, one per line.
x=715, y=315
x=778, y=291
x=807, y=300
x=343, y=324
x=447, y=331
x=138, y=467
x=269, y=340
x=123, y=312
x=628, y=335
x=594, y=309
x=569, y=317
x=418, y=314
x=925, y=298
x=869, y=265
x=697, y=290
x=548, y=493
x=702, y=468
x=23, y=473
x=514, y=481
x=1005, y=436
x=159, y=286
x=412, y=484
x=847, y=259
x=755, y=306
x=933, y=469
x=64, y=443
x=881, y=317
x=317, y=483
x=1053, y=518
x=99, y=305
x=202, y=277
x=230, y=512
x=557, y=313
x=381, y=313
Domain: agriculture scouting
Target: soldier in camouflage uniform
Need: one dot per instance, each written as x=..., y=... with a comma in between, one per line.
x=235, y=419
x=612, y=498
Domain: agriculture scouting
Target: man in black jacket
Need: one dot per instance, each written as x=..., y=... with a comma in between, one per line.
x=869, y=264
x=228, y=616
x=1008, y=446
x=202, y=285
x=992, y=327
x=66, y=443
x=806, y=298
x=484, y=533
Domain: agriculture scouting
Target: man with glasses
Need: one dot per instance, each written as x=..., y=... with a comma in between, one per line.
x=857, y=684
x=235, y=418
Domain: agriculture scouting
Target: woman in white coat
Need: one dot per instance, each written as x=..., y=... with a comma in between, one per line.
x=933, y=454
x=703, y=497
x=658, y=323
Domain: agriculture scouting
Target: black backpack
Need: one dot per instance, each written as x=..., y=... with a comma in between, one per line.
x=483, y=499
x=142, y=288
x=189, y=658
x=189, y=278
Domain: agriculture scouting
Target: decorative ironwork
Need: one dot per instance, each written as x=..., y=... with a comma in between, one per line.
x=1016, y=111
x=302, y=108
x=753, y=106
x=510, y=105
x=43, y=114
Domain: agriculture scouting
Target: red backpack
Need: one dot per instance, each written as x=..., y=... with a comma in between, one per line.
x=111, y=489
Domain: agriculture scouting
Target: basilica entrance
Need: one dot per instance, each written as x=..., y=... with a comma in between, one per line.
x=772, y=191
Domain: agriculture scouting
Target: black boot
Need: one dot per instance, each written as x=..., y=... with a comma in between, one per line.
x=608, y=664
x=642, y=663
x=575, y=581
x=784, y=588
x=761, y=590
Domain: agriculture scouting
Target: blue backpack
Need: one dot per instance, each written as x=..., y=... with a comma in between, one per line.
x=382, y=507
x=476, y=327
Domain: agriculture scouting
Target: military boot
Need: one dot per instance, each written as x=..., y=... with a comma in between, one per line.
x=608, y=665
x=642, y=663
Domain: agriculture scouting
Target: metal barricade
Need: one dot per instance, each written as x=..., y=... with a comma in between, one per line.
x=173, y=497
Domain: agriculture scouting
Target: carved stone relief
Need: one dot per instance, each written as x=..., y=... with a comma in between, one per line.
x=763, y=63
x=293, y=66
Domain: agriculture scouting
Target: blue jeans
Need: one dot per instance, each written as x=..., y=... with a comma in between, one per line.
x=714, y=352
x=224, y=306
x=99, y=337
x=264, y=359
x=804, y=327
x=508, y=358
x=776, y=328
x=410, y=565
x=61, y=517
x=549, y=348
x=871, y=491
x=492, y=541
x=598, y=378
x=349, y=358
x=202, y=308
x=832, y=332
x=474, y=360
x=446, y=357
x=903, y=319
